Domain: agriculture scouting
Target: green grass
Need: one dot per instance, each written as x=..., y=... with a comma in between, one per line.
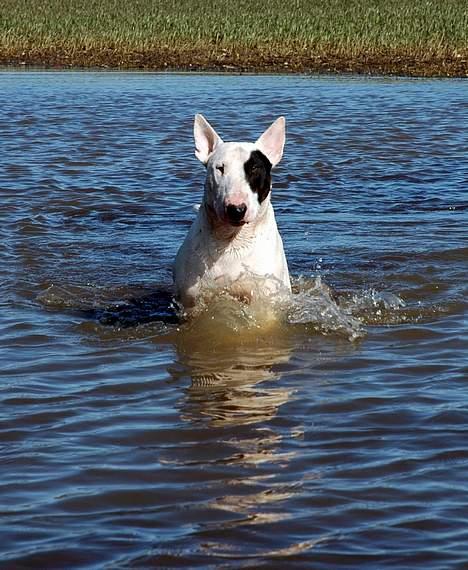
x=133, y=31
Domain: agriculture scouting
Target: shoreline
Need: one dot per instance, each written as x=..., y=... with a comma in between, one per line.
x=251, y=61
x=410, y=38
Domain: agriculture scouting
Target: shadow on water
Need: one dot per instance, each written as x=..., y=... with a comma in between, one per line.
x=122, y=308
x=156, y=306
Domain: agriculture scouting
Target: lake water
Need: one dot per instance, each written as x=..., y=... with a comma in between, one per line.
x=337, y=438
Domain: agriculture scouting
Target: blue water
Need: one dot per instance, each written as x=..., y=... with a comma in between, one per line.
x=131, y=440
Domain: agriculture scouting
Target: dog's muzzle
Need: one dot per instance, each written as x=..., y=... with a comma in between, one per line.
x=235, y=214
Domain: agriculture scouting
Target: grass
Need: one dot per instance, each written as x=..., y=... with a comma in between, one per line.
x=419, y=37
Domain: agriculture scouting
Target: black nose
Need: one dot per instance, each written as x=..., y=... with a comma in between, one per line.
x=236, y=213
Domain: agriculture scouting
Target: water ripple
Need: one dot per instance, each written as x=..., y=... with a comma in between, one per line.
x=129, y=439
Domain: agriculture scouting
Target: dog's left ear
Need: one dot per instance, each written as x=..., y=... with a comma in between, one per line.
x=271, y=143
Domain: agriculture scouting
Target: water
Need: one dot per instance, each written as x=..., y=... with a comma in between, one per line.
x=332, y=438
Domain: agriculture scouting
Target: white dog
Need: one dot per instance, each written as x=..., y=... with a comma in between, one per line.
x=234, y=238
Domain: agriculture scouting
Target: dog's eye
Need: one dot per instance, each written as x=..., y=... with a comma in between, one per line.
x=220, y=167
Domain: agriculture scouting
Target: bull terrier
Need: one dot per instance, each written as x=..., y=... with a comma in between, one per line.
x=234, y=240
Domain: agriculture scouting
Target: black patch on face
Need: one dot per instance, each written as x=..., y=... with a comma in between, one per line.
x=258, y=174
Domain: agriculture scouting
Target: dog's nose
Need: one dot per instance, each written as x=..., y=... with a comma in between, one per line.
x=236, y=213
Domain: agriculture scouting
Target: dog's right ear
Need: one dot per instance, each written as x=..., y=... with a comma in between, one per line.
x=206, y=138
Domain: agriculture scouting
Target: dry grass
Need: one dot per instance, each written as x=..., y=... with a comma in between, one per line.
x=411, y=37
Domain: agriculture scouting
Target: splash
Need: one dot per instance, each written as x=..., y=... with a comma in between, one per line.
x=249, y=302
x=316, y=307
x=374, y=307
x=221, y=317
x=270, y=309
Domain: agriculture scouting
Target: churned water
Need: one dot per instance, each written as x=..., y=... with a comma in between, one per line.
x=334, y=437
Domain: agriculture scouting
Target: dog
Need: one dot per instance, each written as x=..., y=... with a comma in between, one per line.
x=234, y=240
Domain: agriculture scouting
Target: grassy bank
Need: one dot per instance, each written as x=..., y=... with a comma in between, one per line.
x=419, y=37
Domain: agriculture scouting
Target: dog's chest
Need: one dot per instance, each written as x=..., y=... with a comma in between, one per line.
x=230, y=262
x=240, y=261
x=206, y=263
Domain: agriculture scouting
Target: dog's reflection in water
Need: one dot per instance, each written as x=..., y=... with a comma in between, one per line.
x=233, y=376
x=229, y=392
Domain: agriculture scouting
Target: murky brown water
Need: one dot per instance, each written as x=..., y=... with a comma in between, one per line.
x=334, y=438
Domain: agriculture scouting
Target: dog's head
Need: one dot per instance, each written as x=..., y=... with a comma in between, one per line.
x=238, y=179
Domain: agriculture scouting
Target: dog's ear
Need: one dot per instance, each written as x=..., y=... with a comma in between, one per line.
x=271, y=143
x=206, y=138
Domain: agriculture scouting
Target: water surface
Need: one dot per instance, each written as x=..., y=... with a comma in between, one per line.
x=336, y=439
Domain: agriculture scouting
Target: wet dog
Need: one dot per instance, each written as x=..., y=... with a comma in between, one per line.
x=234, y=240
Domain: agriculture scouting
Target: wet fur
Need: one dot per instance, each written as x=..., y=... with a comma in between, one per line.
x=220, y=253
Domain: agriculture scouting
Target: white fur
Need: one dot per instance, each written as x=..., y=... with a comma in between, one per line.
x=217, y=255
